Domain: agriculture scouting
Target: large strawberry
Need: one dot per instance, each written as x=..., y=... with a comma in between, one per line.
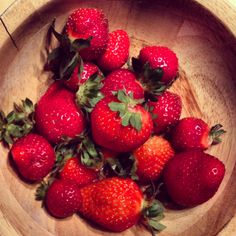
x=76, y=172
x=57, y=114
x=167, y=110
x=122, y=79
x=76, y=79
x=84, y=23
x=117, y=51
x=151, y=157
x=193, y=177
x=160, y=57
x=117, y=204
x=192, y=132
x=33, y=156
x=63, y=198
x=120, y=124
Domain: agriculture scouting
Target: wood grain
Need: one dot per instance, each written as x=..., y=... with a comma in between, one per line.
x=206, y=47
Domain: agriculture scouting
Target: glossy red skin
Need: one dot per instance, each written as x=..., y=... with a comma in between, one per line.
x=33, y=156
x=193, y=177
x=190, y=133
x=57, y=114
x=113, y=203
x=76, y=172
x=74, y=81
x=151, y=157
x=161, y=57
x=117, y=52
x=122, y=79
x=167, y=109
x=86, y=22
x=109, y=133
x=63, y=199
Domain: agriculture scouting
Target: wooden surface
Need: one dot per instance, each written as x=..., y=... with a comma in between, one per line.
x=207, y=55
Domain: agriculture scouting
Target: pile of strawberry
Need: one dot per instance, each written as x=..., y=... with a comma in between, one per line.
x=103, y=139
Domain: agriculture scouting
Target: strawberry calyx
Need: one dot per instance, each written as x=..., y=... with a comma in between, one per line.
x=215, y=134
x=18, y=122
x=42, y=190
x=88, y=94
x=126, y=109
x=63, y=59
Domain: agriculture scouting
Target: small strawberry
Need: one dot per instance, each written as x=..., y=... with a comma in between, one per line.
x=57, y=114
x=122, y=79
x=84, y=23
x=76, y=79
x=167, y=110
x=62, y=199
x=160, y=57
x=151, y=157
x=193, y=177
x=195, y=133
x=120, y=124
x=76, y=172
x=117, y=51
x=33, y=156
x=117, y=204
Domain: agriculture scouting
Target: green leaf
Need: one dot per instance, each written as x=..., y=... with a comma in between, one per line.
x=54, y=54
x=122, y=97
x=7, y=138
x=11, y=117
x=135, y=121
x=79, y=44
x=156, y=225
x=125, y=120
x=117, y=106
x=14, y=130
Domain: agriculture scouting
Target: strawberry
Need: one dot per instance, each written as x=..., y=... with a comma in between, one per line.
x=122, y=79
x=193, y=177
x=33, y=156
x=120, y=124
x=113, y=203
x=57, y=114
x=160, y=57
x=151, y=157
x=117, y=51
x=62, y=199
x=167, y=110
x=195, y=133
x=106, y=153
x=76, y=172
x=84, y=23
x=76, y=79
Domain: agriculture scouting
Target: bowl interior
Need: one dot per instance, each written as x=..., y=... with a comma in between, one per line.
x=207, y=57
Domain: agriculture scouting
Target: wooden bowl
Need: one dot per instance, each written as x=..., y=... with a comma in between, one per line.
x=206, y=47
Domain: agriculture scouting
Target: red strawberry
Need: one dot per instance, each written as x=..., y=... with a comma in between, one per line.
x=194, y=133
x=161, y=57
x=167, y=110
x=117, y=51
x=89, y=22
x=57, y=114
x=193, y=177
x=63, y=198
x=151, y=157
x=75, y=80
x=122, y=79
x=114, y=203
x=120, y=124
x=34, y=156
x=76, y=172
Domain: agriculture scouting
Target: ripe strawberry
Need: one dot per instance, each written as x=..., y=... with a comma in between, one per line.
x=113, y=203
x=33, y=156
x=160, y=57
x=89, y=22
x=122, y=79
x=63, y=199
x=195, y=133
x=57, y=114
x=167, y=110
x=119, y=124
x=117, y=51
x=151, y=157
x=75, y=80
x=78, y=173
x=193, y=177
